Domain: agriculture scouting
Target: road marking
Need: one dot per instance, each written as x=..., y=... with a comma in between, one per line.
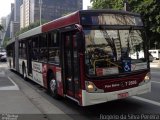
x=146, y=100
x=155, y=82
x=15, y=87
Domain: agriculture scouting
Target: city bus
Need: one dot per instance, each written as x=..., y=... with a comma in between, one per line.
x=85, y=56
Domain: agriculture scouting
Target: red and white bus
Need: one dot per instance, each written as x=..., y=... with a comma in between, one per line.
x=87, y=56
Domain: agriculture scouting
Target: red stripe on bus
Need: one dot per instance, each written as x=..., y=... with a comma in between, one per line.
x=61, y=22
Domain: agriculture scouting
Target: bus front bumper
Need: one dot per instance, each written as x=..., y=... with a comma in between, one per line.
x=96, y=98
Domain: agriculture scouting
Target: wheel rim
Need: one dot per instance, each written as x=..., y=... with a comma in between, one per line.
x=53, y=85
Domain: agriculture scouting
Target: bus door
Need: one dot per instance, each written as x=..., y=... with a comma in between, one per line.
x=14, y=57
x=71, y=65
x=29, y=57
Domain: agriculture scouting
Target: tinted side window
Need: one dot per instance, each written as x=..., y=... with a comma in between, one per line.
x=43, y=48
x=35, y=44
x=22, y=49
x=53, y=47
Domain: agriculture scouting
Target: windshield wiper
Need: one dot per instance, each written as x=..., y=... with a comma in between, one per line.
x=110, y=42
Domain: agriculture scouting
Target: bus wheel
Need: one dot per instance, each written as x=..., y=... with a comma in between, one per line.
x=53, y=87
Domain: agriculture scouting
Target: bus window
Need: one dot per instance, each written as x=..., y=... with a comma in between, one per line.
x=22, y=49
x=43, y=50
x=35, y=48
x=53, y=46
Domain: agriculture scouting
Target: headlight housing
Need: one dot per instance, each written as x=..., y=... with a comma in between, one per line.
x=146, y=79
x=90, y=87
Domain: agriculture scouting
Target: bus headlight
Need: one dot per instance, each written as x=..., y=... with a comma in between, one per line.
x=146, y=79
x=90, y=87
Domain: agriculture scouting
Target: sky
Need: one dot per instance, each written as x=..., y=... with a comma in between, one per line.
x=5, y=6
x=86, y=3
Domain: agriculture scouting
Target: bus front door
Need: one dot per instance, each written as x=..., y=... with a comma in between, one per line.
x=71, y=66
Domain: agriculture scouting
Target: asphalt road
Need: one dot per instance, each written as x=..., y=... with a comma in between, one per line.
x=146, y=106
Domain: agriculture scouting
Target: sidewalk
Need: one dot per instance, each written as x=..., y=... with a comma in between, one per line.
x=18, y=101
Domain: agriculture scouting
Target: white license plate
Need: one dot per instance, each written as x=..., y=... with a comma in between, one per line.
x=123, y=95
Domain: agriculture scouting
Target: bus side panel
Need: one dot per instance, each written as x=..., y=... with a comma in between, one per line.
x=40, y=70
x=44, y=74
x=37, y=73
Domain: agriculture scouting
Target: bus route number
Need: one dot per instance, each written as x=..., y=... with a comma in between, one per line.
x=130, y=83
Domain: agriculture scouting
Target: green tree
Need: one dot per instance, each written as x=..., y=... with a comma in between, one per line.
x=149, y=10
x=107, y=4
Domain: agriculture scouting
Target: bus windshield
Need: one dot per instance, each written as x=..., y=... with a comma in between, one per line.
x=105, y=50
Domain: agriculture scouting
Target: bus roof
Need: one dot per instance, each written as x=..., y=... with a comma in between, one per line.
x=31, y=32
x=57, y=23
x=67, y=20
x=110, y=11
x=11, y=41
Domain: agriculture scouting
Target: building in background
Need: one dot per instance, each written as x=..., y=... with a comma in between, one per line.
x=6, y=23
x=11, y=23
x=21, y=16
x=51, y=9
x=15, y=22
x=25, y=12
x=3, y=22
x=17, y=4
x=14, y=28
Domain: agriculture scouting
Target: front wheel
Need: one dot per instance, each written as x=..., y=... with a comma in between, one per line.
x=53, y=87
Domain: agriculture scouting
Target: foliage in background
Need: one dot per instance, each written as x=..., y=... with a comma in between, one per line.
x=149, y=10
x=107, y=4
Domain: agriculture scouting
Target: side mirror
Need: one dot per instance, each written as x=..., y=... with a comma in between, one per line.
x=80, y=37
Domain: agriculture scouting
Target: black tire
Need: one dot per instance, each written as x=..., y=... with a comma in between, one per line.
x=53, y=86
